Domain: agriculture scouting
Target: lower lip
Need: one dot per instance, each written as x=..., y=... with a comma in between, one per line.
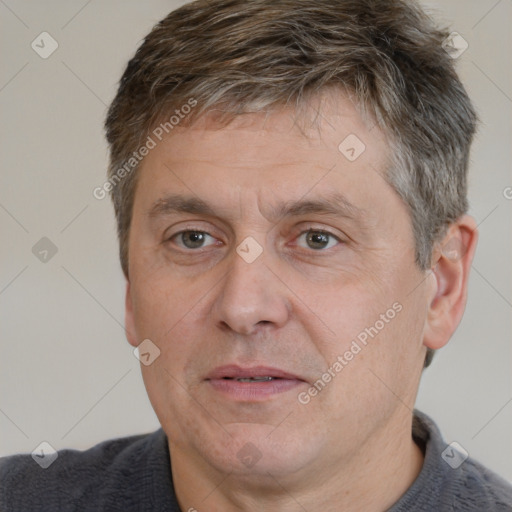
x=253, y=391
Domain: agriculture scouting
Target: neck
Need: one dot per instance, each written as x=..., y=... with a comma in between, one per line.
x=373, y=478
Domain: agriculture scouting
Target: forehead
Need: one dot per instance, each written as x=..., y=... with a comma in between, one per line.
x=328, y=127
x=279, y=154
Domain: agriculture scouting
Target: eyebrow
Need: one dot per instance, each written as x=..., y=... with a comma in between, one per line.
x=333, y=204
x=179, y=204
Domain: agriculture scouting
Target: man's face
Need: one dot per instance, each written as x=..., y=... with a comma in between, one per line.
x=336, y=263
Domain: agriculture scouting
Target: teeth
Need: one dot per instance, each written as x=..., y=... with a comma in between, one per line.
x=255, y=379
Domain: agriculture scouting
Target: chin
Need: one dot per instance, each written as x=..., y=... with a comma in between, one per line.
x=258, y=450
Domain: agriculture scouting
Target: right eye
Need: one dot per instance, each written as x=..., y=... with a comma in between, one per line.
x=190, y=239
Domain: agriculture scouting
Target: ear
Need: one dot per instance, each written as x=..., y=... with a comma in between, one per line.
x=129, y=320
x=451, y=263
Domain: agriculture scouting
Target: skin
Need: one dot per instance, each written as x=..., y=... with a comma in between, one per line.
x=295, y=308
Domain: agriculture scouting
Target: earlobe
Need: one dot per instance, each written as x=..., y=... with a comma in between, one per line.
x=128, y=318
x=452, y=259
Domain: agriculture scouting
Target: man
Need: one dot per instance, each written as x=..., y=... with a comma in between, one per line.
x=289, y=181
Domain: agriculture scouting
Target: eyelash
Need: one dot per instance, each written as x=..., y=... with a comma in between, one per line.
x=321, y=232
x=176, y=235
x=302, y=233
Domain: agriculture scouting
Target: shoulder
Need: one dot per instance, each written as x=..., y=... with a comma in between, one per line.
x=77, y=480
x=481, y=487
x=450, y=480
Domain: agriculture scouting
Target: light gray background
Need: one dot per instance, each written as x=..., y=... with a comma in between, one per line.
x=67, y=374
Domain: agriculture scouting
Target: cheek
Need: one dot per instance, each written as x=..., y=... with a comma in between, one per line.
x=371, y=325
x=342, y=307
x=160, y=303
x=383, y=355
x=171, y=403
x=174, y=316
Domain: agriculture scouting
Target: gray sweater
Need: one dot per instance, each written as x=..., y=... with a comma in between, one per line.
x=134, y=473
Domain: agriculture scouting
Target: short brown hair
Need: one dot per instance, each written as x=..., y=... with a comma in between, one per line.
x=253, y=55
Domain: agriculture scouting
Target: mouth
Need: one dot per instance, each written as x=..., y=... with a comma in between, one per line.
x=252, y=379
x=252, y=383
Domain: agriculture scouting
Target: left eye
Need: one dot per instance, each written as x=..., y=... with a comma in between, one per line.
x=315, y=239
x=193, y=239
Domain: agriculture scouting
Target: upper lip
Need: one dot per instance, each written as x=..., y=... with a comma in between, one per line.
x=239, y=372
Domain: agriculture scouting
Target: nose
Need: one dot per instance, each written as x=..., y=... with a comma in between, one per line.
x=251, y=297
